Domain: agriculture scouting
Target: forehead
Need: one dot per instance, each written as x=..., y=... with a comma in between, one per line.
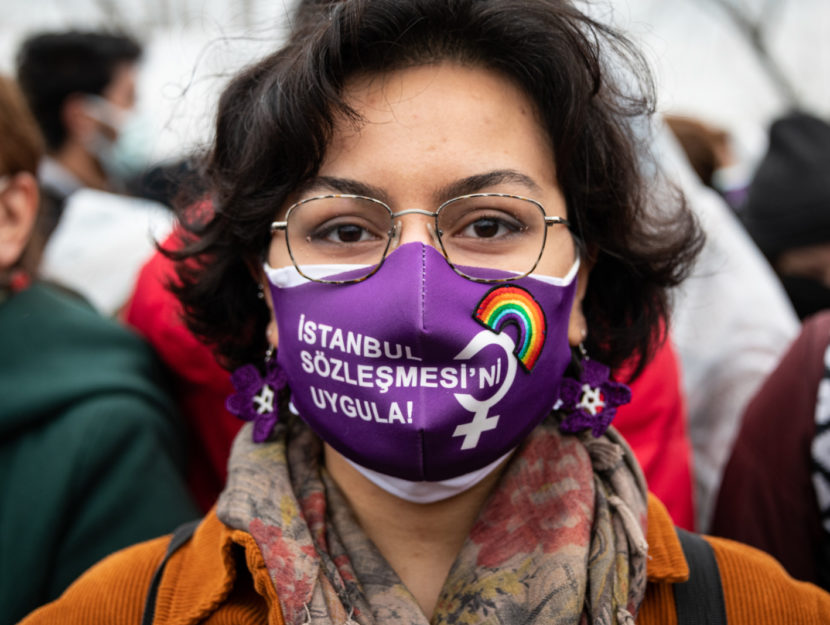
x=377, y=89
x=441, y=119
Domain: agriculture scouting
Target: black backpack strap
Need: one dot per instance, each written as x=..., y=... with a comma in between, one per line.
x=180, y=536
x=699, y=601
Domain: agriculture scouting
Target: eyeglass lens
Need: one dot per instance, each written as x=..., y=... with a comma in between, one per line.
x=483, y=237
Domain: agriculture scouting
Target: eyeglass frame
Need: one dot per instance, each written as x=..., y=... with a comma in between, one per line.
x=549, y=220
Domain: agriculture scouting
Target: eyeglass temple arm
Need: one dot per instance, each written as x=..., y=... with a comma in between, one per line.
x=278, y=225
x=549, y=221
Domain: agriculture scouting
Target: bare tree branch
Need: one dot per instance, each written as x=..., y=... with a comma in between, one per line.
x=754, y=35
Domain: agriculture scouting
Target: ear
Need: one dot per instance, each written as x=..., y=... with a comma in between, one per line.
x=18, y=212
x=578, y=326
x=271, y=332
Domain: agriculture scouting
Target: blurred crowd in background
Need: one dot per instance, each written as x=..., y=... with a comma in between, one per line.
x=102, y=118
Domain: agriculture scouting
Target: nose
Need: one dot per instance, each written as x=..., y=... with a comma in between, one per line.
x=414, y=226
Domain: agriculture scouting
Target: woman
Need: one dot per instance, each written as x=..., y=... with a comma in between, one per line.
x=428, y=209
x=90, y=455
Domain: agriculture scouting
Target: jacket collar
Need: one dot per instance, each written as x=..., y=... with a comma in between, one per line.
x=666, y=562
x=203, y=575
x=198, y=579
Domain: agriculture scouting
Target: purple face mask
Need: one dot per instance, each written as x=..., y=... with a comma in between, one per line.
x=417, y=372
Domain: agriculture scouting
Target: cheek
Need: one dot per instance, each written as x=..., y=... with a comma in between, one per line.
x=109, y=133
x=278, y=255
x=558, y=255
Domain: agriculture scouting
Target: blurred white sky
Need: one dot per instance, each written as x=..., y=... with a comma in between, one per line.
x=703, y=66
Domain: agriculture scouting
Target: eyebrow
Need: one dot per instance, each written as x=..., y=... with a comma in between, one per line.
x=480, y=182
x=344, y=185
x=465, y=186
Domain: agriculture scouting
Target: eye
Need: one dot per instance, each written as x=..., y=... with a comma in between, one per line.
x=345, y=230
x=340, y=220
x=349, y=233
x=487, y=224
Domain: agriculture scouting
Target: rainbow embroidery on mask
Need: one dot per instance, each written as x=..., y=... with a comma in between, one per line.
x=504, y=305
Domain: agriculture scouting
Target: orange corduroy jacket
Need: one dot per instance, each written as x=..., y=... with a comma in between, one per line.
x=205, y=581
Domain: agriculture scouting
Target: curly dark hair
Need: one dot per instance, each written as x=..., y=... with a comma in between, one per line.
x=589, y=83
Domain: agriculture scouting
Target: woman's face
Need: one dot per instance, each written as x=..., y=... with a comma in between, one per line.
x=427, y=133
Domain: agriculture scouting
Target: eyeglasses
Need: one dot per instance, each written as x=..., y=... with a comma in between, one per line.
x=485, y=237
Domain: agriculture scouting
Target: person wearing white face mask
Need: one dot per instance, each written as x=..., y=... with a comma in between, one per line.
x=122, y=144
x=81, y=87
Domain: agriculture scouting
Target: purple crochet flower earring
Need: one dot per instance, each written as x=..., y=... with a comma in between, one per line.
x=591, y=401
x=256, y=395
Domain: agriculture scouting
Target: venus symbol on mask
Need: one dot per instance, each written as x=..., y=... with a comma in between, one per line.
x=500, y=307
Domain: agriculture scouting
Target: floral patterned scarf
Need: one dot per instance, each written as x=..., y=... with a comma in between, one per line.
x=560, y=539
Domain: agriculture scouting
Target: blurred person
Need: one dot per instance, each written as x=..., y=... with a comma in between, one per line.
x=81, y=87
x=91, y=454
x=656, y=425
x=381, y=198
x=199, y=384
x=775, y=493
x=710, y=153
x=731, y=323
x=787, y=211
